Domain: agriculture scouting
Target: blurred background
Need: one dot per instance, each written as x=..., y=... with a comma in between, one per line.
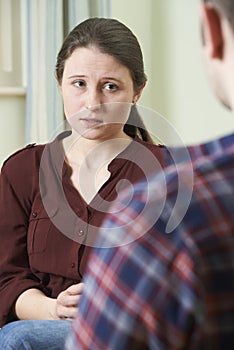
x=32, y=31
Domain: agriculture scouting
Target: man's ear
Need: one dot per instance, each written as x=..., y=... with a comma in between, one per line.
x=212, y=30
x=138, y=93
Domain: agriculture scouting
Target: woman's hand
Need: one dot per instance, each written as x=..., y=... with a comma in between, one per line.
x=33, y=304
x=67, y=302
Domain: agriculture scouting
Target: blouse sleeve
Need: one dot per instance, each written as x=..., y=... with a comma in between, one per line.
x=15, y=207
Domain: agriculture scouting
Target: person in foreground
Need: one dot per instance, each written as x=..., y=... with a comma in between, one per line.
x=171, y=289
x=54, y=197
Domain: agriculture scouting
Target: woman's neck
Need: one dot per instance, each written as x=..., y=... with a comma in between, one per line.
x=93, y=153
x=89, y=160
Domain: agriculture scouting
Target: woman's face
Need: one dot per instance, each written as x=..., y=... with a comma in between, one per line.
x=97, y=93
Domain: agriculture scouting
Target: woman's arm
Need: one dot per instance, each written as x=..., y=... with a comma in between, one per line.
x=16, y=188
x=33, y=304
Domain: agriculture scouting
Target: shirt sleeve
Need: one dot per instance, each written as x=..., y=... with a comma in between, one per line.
x=15, y=205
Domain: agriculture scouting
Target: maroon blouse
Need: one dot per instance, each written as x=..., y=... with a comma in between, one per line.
x=45, y=225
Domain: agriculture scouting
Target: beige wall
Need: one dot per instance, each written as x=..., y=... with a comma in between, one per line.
x=12, y=112
x=12, y=93
x=192, y=107
x=177, y=87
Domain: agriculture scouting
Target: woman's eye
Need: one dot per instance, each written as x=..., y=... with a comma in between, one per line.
x=111, y=87
x=79, y=83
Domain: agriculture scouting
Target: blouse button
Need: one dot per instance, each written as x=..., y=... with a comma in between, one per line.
x=34, y=214
x=80, y=232
x=73, y=265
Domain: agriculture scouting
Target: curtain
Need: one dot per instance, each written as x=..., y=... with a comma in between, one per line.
x=44, y=30
x=6, y=35
x=44, y=33
x=78, y=10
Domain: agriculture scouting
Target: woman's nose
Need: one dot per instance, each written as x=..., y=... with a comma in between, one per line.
x=94, y=100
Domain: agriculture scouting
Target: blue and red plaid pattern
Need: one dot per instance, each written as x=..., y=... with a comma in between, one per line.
x=166, y=290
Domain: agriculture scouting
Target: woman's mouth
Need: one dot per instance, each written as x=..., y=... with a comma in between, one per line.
x=91, y=122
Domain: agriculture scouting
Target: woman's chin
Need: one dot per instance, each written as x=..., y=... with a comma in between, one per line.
x=91, y=133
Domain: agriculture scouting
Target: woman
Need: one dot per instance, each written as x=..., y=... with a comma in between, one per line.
x=54, y=197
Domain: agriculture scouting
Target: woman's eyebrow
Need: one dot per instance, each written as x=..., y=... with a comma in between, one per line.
x=76, y=76
x=112, y=78
x=103, y=78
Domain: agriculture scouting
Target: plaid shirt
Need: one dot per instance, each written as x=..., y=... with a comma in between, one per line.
x=155, y=288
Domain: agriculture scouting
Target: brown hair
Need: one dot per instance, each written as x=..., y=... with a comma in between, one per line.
x=114, y=38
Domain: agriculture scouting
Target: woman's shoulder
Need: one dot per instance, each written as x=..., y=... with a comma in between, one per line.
x=27, y=160
x=159, y=151
x=24, y=156
x=23, y=163
x=150, y=144
x=155, y=148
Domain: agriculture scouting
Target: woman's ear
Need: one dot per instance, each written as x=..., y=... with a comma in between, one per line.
x=212, y=30
x=138, y=93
